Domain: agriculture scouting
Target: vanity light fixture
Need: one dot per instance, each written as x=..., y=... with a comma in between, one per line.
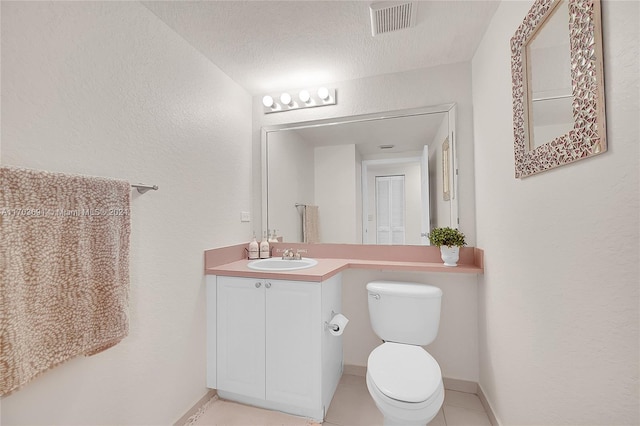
x=308, y=98
x=267, y=101
x=304, y=96
x=323, y=93
x=286, y=100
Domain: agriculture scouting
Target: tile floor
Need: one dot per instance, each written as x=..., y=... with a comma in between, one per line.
x=351, y=406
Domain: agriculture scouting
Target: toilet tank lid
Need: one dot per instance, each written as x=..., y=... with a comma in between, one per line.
x=404, y=289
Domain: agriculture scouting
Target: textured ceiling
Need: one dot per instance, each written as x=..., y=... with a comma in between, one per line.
x=267, y=46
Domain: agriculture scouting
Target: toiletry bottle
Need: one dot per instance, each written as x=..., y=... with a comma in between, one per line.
x=254, y=248
x=264, y=247
x=273, y=238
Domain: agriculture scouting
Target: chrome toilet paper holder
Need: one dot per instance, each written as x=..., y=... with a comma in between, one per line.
x=334, y=327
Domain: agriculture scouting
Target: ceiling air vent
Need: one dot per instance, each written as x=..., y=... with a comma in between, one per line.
x=392, y=16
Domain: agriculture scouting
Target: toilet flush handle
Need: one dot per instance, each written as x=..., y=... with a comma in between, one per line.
x=375, y=296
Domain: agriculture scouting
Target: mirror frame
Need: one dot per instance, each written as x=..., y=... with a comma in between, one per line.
x=448, y=108
x=588, y=136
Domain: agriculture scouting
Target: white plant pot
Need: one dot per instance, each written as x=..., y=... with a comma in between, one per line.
x=450, y=255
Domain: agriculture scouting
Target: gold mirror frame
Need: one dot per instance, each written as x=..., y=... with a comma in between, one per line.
x=588, y=136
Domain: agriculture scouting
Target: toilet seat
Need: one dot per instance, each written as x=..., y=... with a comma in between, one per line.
x=404, y=373
x=399, y=413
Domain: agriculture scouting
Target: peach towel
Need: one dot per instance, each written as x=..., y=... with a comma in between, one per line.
x=310, y=224
x=64, y=269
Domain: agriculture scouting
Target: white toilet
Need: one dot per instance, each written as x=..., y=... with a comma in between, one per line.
x=403, y=379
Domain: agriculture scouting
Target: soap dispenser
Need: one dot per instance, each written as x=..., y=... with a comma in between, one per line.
x=264, y=247
x=254, y=248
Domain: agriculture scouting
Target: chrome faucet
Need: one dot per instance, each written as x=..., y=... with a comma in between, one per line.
x=289, y=255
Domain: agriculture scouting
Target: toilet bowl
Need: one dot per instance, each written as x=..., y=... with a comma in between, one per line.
x=405, y=383
x=403, y=379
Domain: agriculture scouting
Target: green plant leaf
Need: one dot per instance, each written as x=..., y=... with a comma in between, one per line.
x=446, y=237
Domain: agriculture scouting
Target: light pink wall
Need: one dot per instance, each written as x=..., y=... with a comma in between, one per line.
x=335, y=193
x=105, y=88
x=558, y=303
x=289, y=184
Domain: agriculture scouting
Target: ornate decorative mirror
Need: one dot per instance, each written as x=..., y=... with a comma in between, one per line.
x=558, y=87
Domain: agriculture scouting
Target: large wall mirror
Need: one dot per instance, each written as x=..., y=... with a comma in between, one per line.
x=558, y=88
x=383, y=178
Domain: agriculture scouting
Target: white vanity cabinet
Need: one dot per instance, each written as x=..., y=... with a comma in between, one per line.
x=272, y=348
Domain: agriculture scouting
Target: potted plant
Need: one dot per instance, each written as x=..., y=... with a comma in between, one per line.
x=449, y=240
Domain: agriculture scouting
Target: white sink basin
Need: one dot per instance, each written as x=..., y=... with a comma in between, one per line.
x=278, y=264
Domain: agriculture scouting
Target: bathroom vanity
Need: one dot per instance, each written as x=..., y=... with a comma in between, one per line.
x=267, y=343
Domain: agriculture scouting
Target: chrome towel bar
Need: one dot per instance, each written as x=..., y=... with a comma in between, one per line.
x=142, y=188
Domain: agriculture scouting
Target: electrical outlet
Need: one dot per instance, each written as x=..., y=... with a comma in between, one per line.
x=245, y=217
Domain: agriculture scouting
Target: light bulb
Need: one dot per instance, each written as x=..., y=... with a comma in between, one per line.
x=323, y=93
x=304, y=96
x=267, y=101
x=285, y=98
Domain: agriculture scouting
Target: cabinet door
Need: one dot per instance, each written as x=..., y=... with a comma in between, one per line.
x=241, y=338
x=293, y=335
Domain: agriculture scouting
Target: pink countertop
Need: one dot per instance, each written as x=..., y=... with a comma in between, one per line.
x=323, y=270
x=334, y=258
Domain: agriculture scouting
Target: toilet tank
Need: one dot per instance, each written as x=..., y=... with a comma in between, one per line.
x=404, y=312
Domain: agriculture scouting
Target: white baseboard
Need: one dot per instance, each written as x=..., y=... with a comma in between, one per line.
x=459, y=385
x=487, y=407
x=193, y=410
